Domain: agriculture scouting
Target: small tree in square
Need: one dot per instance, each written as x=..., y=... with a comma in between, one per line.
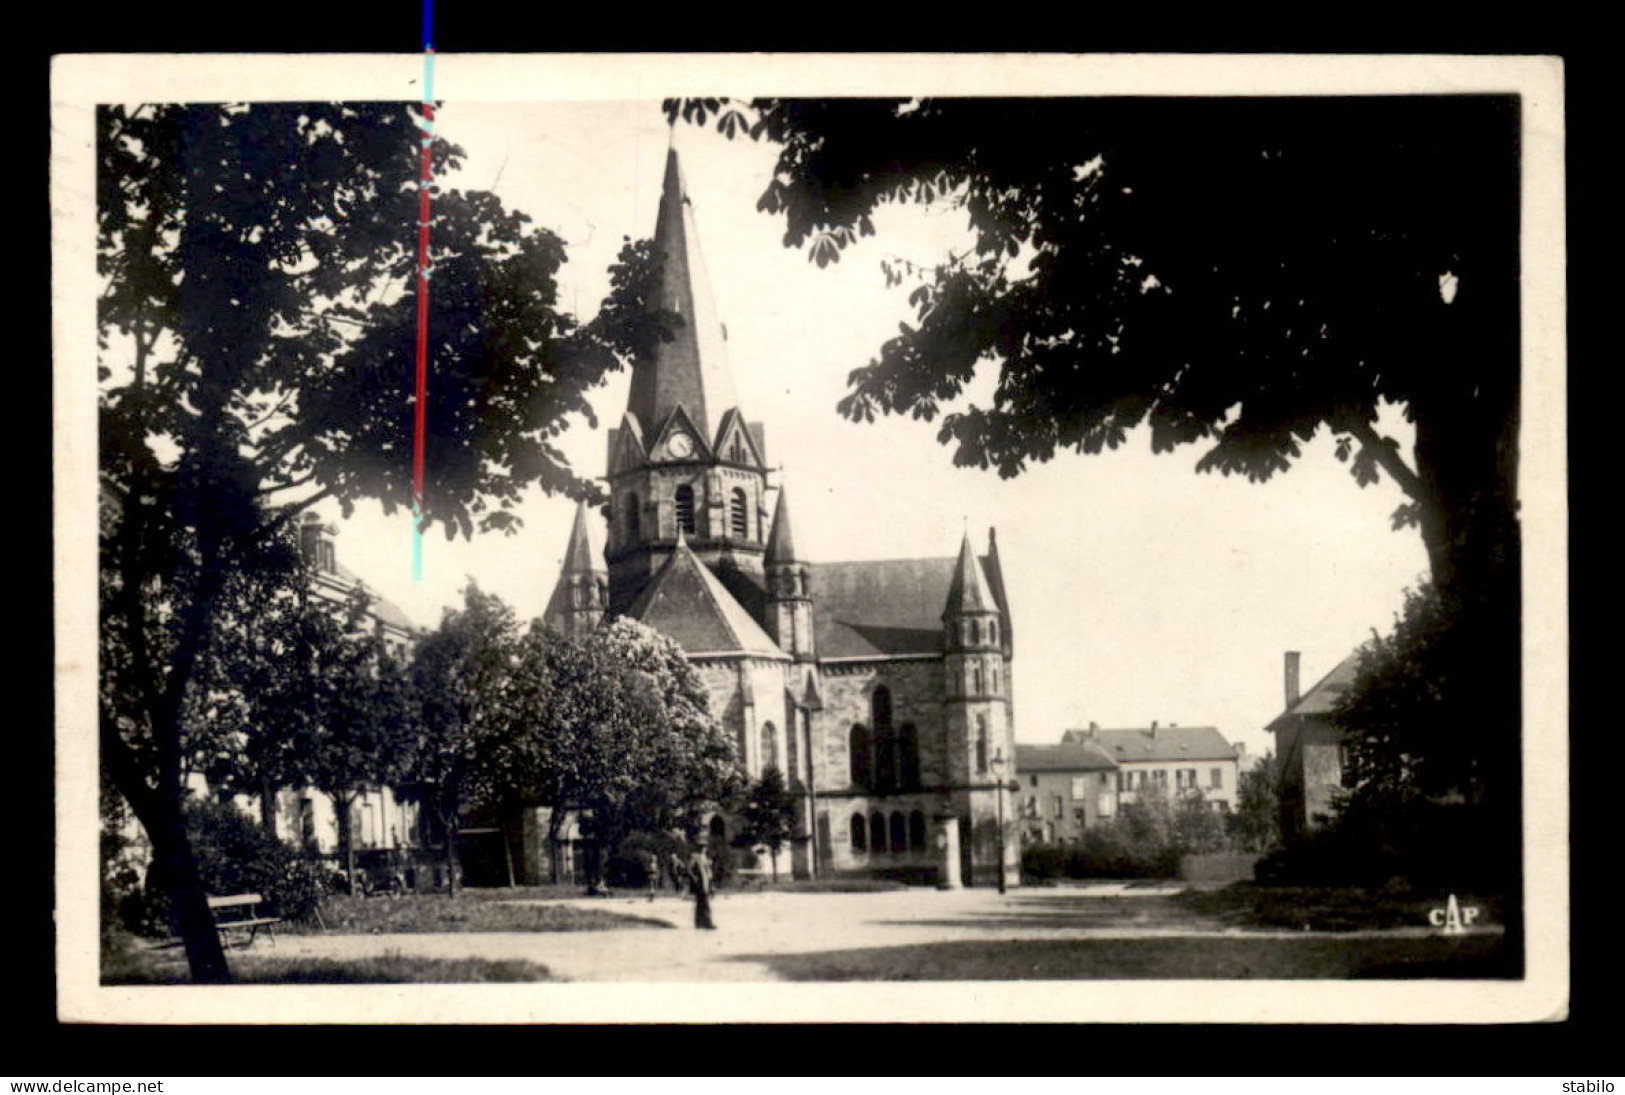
x=769, y=816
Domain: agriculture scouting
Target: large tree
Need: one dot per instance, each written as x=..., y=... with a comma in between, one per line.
x=463, y=675
x=613, y=729
x=257, y=325
x=1236, y=274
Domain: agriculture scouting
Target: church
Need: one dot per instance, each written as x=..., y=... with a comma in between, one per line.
x=880, y=689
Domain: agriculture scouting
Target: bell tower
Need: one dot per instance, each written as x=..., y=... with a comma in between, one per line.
x=684, y=461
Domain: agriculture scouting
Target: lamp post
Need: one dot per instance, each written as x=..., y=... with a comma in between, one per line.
x=997, y=764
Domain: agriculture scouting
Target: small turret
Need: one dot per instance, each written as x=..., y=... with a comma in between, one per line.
x=582, y=594
x=789, y=595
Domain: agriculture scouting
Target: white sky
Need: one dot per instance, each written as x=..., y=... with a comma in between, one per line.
x=1139, y=590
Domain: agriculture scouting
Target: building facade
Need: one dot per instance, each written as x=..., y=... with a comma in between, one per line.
x=1063, y=790
x=1309, y=745
x=880, y=689
x=1176, y=761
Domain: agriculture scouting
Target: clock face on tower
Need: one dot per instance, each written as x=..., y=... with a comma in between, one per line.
x=680, y=445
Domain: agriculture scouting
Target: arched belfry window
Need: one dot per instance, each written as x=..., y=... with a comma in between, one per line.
x=993, y=631
x=976, y=679
x=859, y=841
x=738, y=515
x=685, y=509
x=770, y=746
x=857, y=743
x=975, y=632
x=632, y=517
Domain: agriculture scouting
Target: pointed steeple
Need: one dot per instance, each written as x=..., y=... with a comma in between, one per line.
x=781, y=545
x=969, y=591
x=690, y=371
x=581, y=594
x=995, y=582
x=578, y=553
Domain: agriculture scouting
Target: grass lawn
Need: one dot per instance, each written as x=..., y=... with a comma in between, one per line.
x=1218, y=958
x=169, y=968
x=470, y=911
x=1247, y=904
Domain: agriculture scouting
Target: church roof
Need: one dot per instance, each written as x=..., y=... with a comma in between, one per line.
x=687, y=603
x=578, y=552
x=969, y=592
x=690, y=371
x=880, y=607
x=1157, y=743
x=1066, y=757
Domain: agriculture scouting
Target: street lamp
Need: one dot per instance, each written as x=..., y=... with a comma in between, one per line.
x=997, y=764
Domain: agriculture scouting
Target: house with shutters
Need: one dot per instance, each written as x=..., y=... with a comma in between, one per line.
x=879, y=688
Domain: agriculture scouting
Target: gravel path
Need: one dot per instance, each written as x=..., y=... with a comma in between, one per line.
x=752, y=926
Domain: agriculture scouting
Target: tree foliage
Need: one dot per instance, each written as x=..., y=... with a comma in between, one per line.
x=768, y=816
x=1255, y=824
x=256, y=327
x=1235, y=273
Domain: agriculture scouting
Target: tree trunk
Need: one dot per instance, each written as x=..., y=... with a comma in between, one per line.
x=163, y=819
x=449, y=823
x=268, y=807
x=341, y=810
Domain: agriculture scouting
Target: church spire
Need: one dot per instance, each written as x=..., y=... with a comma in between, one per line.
x=582, y=593
x=969, y=591
x=690, y=371
x=781, y=545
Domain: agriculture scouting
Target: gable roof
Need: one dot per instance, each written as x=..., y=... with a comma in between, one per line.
x=880, y=607
x=1323, y=698
x=1066, y=757
x=1162, y=743
x=687, y=603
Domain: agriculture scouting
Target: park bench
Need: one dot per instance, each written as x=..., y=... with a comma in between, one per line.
x=240, y=912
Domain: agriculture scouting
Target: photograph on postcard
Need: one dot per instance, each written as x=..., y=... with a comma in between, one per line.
x=1154, y=605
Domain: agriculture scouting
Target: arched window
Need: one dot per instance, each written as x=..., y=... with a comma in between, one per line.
x=885, y=740
x=976, y=679
x=770, y=746
x=908, y=745
x=857, y=744
x=685, y=509
x=792, y=753
x=877, y=832
x=738, y=517
x=993, y=676
x=916, y=831
x=981, y=744
x=993, y=631
x=899, y=833
x=859, y=841
x=975, y=632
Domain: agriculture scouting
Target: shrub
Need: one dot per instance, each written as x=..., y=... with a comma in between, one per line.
x=233, y=855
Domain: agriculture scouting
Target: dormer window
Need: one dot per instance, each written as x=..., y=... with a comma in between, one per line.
x=738, y=514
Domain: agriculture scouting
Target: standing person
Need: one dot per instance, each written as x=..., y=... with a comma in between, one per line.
x=651, y=871
x=699, y=876
x=679, y=882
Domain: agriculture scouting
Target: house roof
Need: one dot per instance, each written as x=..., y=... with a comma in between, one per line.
x=1323, y=698
x=343, y=579
x=880, y=607
x=687, y=603
x=1066, y=757
x=1159, y=743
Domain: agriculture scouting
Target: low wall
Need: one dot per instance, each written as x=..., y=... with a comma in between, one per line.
x=1217, y=868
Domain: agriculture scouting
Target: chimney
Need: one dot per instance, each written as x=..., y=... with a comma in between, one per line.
x=1094, y=728
x=316, y=543
x=1153, y=728
x=1291, y=677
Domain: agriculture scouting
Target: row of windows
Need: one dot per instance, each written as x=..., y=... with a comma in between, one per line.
x=769, y=755
x=888, y=760
x=738, y=513
x=904, y=835
x=973, y=632
x=1184, y=779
